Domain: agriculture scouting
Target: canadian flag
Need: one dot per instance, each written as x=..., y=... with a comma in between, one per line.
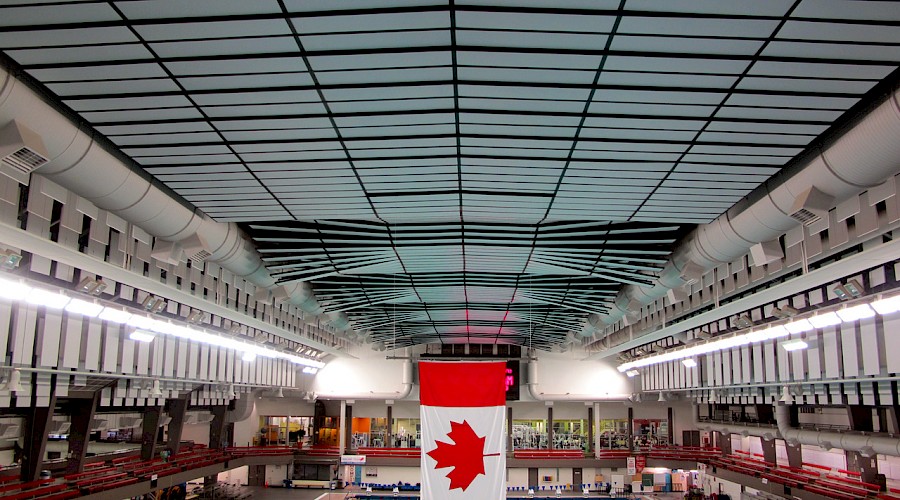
x=463, y=445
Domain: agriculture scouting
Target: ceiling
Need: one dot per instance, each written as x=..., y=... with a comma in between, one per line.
x=466, y=171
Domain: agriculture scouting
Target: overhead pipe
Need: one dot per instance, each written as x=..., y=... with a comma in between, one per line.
x=866, y=445
x=728, y=428
x=244, y=406
x=537, y=395
x=861, y=158
x=82, y=164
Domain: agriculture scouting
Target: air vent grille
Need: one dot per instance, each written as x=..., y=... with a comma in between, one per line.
x=806, y=217
x=199, y=256
x=24, y=160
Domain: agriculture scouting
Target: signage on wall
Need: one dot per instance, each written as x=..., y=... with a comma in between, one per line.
x=632, y=469
x=512, y=380
x=353, y=459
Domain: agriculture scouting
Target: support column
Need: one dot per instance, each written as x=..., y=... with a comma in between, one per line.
x=630, y=429
x=725, y=443
x=37, y=427
x=883, y=425
x=590, y=429
x=217, y=426
x=150, y=429
x=866, y=466
x=348, y=428
x=549, y=426
x=794, y=454
x=596, y=428
x=509, y=428
x=390, y=425
x=768, y=449
x=342, y=436
x=860, y=418
x=177, y=410
x=671, y=421
x=216, y=431
x=82, y=414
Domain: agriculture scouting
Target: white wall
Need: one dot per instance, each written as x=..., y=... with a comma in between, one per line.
x=393, y=475
x=236, y=477
x=567, y=376
x=276, y=474
x=282, y=407
x=369, y=377
x=198, y=433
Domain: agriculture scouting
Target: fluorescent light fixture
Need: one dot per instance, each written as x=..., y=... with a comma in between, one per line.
x=142, y=336
x=311, y=370
x=632, y=373
x=799, y=326
x=794, y=345
x=887, y=306
x=115, y=315
x=15, y=290
x=826, y=319
x=856, y=312
x=689, y=362
x=248, y=356
x=84, y=308
x=141, y=322
x=46, y=298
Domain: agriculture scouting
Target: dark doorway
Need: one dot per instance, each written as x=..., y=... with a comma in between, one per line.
x=576, y=478
x=256, y=475
x=533, y=478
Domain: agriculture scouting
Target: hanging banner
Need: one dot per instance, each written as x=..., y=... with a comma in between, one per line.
x=463, y=406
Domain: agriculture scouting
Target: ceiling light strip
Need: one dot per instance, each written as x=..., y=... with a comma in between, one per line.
x=146, y=326
x=849, y=314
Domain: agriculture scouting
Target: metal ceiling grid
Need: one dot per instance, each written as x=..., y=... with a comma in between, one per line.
x=473, y=282
x=461, y=118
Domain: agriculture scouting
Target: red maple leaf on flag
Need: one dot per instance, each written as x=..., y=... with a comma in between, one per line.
x=466, y=455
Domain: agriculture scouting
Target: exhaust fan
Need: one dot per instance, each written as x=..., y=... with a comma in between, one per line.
x=21, y=152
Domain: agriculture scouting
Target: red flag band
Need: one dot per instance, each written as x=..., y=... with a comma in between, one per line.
x=462, y=384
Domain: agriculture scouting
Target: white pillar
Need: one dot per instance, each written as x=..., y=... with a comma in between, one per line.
x=596, y=429
x=342, y=446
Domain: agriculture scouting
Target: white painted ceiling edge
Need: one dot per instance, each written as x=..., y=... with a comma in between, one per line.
x=862, y=158
x=83, y=166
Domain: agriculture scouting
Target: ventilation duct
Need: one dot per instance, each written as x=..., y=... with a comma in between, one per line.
x=811, y=206
x=21, y=151
x=866, y=445
x=195, y=418
x=726, y=428
x=82, y=165
x=862, y=158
